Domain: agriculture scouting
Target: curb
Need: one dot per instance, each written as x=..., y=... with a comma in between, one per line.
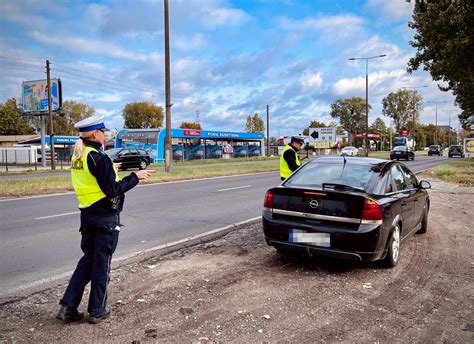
x=23, y=291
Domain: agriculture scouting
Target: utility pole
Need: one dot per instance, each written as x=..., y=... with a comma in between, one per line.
x=268, y=131
x=168, y=149
x=367, y=145
x=449, y=131
x=50, y=111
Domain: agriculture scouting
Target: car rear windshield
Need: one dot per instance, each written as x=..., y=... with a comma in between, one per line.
x=316, y=174
x=400, y=148
x=434, y=147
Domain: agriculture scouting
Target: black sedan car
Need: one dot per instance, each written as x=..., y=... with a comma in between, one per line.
x=455, y=150
x=129, y=157
x=350, y=208
x=435, y=150
x=402, y=152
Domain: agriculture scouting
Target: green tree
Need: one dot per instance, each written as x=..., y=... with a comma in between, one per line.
x=254, y=124
x=142, y=115
x=351, y=114
x=11, y=120
x=430, y=131
x=403, y=106
x=379, y=127
x=420, y=137
x=313, y=124
x=444, y=42
x=190, y=125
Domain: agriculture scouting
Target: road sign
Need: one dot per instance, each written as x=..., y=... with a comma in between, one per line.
x=322, y=137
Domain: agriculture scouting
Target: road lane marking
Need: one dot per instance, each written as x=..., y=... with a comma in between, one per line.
x=144, y=185
x=51, y=216
x=238, y=187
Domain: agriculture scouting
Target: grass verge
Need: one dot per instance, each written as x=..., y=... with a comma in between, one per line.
x=459, y=171
x=55, y=184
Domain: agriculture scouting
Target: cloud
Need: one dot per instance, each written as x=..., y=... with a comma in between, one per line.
x=391, y=10
x=185, y=43
x=311, y=80
x=331, y=27
x=20, y=13
x=85, y=46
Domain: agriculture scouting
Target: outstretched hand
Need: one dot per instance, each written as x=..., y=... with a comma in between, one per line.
x=144, y=174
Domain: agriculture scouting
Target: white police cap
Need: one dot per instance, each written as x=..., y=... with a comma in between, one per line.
x=91, y=123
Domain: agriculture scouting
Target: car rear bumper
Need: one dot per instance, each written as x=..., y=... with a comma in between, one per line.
x=366, y=244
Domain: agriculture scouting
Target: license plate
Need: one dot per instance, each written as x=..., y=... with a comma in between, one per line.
x=398, y=152
x=304, y=237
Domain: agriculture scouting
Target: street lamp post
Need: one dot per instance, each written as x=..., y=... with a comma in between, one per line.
x=366, y=97
x=435, y=139
x=414, y=112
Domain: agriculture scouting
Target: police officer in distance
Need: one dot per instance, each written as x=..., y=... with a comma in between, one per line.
x=289, y=160
x=100, y=193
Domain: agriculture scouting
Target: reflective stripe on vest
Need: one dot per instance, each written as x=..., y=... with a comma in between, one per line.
x=285, y=171
x=85, y=184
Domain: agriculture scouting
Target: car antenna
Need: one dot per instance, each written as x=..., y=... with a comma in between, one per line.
x=343, y=166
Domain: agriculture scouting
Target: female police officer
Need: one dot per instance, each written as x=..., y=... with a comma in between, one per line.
x=100, y=193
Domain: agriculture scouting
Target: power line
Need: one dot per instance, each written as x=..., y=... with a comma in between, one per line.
x=106, y=82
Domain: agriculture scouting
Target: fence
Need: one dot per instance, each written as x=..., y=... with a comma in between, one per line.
x=30, y=157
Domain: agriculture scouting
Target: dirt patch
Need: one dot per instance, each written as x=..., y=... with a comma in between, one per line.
x=237, y=289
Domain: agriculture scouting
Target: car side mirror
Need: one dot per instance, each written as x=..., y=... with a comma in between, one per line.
x=424, y=184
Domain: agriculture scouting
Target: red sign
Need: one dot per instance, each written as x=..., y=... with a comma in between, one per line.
x=192, y=132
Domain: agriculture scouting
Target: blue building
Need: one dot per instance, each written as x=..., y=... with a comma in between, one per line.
x=189, y=144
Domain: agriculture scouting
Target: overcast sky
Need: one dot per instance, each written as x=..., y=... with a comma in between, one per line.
x=228, y=58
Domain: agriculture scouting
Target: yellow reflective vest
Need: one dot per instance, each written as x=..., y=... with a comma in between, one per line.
x=285, y=171
x=84, y=182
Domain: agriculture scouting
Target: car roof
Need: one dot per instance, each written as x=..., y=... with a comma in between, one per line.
x=349, y=160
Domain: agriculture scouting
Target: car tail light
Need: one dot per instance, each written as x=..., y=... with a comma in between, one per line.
x=372, y=211
x=268, y=203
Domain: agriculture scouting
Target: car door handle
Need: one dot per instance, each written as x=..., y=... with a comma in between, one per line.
x=404, y=203
x=415, y=200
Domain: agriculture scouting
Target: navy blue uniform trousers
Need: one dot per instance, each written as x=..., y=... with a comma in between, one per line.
x=98, y=245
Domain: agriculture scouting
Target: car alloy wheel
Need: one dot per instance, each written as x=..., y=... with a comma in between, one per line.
x=393, y=252
x=395, y=243
x=142, y=165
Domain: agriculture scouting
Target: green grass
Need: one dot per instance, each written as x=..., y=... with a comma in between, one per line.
x=459, y=171
x=54, y=184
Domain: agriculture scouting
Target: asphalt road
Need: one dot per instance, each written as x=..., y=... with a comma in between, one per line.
x=40, y=238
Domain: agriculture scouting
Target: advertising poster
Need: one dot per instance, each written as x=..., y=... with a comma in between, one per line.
x=469, y=147
x=35, y=95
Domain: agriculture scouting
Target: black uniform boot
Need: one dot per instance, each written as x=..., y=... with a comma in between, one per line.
x=68, y=314
x=95, y=319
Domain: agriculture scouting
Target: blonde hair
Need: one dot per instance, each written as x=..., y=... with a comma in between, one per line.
x=79, y=145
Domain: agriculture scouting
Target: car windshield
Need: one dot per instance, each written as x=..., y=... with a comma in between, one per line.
x=317, y=174
x=400, y=148
x=348, y=148
x=456, y=147
x=433, y=147
x=112, y=152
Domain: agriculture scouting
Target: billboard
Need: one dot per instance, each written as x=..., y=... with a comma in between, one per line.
x=469, y=147
x=35, y=95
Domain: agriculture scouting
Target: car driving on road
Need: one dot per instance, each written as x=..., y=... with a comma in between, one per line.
x=350, y=208
x=455, y=150
x=435, y=150
x=402, y=152
x=129, y=157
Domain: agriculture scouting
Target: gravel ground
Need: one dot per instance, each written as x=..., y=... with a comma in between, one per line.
x=238, y=289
